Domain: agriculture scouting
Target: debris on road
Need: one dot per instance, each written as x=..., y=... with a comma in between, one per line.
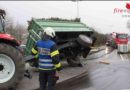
x=93, y=47
x=104, y=62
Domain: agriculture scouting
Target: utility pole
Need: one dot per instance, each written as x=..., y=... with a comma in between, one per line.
x=77, y=8
x=128, y=25
x=77, y=11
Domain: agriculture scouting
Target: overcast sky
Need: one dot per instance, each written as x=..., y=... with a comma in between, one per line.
x=96, y=14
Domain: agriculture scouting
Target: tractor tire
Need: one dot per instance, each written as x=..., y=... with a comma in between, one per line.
x=84, y=40
x=74, y=62
x=11, y=66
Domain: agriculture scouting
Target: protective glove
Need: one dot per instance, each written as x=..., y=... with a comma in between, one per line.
x=59, y=69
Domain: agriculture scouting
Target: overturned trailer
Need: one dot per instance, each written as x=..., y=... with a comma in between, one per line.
x=73, y=39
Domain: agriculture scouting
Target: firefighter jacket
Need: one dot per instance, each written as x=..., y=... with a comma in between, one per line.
x=48, y=55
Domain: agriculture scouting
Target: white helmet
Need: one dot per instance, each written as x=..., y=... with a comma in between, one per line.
x=50, y=32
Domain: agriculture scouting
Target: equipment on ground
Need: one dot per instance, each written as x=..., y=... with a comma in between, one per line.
x=27, y=74
x=56, y=78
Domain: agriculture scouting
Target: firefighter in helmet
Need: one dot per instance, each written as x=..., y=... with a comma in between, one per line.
x=48, y=62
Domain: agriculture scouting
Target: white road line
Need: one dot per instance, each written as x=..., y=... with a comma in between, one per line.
x=121, y=57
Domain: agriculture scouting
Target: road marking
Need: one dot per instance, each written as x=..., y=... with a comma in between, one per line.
x=121, y=57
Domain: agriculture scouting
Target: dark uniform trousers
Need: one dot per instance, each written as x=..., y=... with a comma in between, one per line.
x=47, y=76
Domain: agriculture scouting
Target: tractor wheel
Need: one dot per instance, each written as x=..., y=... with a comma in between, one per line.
x=74, y=62
x=11, y=66
x=84, y=40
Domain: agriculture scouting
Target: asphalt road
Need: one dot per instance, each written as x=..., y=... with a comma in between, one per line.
x=68, y=73
x=99, y=76
x=93, y=76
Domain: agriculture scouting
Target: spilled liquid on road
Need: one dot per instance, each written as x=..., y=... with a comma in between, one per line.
x=99, y=76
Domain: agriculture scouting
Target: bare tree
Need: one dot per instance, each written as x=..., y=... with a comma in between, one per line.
x=19, y=32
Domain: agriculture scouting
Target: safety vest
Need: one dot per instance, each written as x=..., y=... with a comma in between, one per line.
x=45, y=57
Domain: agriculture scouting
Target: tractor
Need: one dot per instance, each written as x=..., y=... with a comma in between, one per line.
x=11, y=58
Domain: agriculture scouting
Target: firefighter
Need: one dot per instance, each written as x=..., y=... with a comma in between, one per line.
x=48, y=62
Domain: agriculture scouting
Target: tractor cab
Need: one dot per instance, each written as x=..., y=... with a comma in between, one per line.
x=2, y=16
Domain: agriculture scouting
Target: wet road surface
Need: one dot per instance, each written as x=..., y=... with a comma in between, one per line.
x=99, y=76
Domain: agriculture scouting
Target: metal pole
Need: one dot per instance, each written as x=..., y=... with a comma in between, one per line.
x=77, y=8
x=128, y=25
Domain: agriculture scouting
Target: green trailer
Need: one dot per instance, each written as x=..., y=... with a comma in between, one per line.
x=73, y=39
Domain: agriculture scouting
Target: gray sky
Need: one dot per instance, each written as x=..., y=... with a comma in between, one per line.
x=97, y=14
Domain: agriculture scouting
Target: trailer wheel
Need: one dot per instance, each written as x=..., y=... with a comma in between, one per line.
x=84, y=40
x=11, y=66
x=74, y=62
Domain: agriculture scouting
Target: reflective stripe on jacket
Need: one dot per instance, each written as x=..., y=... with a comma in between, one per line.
x=45, y=57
